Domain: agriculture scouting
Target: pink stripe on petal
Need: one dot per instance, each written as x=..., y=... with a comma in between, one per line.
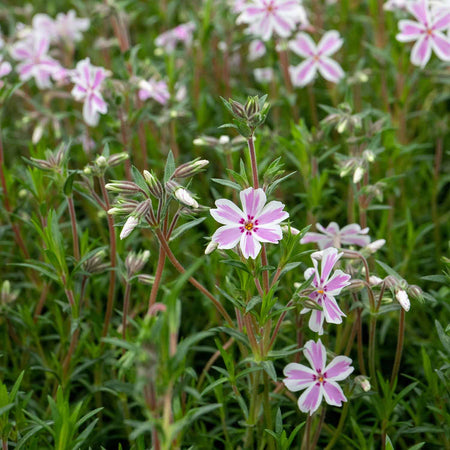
x=409, y=30
x=442, y=22
x=338, y=369
x=253, y=201
x=338, y=281
x=227, y=237
x=298, y=377
x=330, y=43
x=333, y=393
x=272, y=213
x=315, y=353
x=281, y=26
x=421, y=52
x=303, y=45
x=329, y=258
x=98, y=78
x=272, y=235
x=361, y=241
x=313, y=237
x=330, y=69
x=419, y=10
x=304, y=73
x=310, y=400
x=227, y=212
x=441, y=46
x=332, y=228
x=353, y=228
x=331, y=310
x=250, y=247
x=99, y=103
x=90, y=115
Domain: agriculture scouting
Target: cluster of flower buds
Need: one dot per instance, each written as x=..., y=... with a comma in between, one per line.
x=96, y=264
x=250, y=116
x=343, y=118
x=357, y=165
x=134, y=262
x=104, y=162
x=53, y=161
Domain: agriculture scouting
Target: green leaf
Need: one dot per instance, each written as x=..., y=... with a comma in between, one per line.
x=228, y=183
x=238, y=264
x=170, y=167
x=185, y=227
x=389, y=445
x=269, y=368
x=443, y=337
x=139, y=179
x=68, y=184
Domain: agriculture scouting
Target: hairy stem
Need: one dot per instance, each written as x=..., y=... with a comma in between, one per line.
x=399, y=350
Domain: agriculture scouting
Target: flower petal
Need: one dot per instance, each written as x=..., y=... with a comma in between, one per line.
x=338, y=369
x=298, y=376
x=315, y=353
x=409, y=31
x=227, y=237
x=272, y=213
x=330, y=257
x=316, y=321
x=253, y=201
x=310, y=400
x=333, y=393
x=330, y=43
x=250, y=247
x=337, y=282
x=421, y=51
x=419, y=10
x=304, y=73
x=331, y=310
x=227, y=212
x=330, y=69
x=268, y=234
x=303, y=45
x=441, y=46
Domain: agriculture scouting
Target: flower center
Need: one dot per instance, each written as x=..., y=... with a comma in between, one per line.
x=249, y=226
x=320, y=291
x=429, y=31
x=320, y=378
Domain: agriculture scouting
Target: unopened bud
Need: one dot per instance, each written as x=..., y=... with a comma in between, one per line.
x=238, y=109
x=391, y=282
x=358, y=174
x=123, y=187
x=286, y=230
x=199, y=141
x=369, y=155
x=134, y=262
x=190, y=168
x=185, y=197
x=364, y=382
x=375, y=245
x=146, y=279
x=403, y=299
x=118, y=158
x=224, y=140
x=374, y=280
x=154, y=185
x=342, y=125
x=251, y=107
x=131, y=223
x=101, y=162
x=415, y=291
x=311, y=304
x=356, y=285
x=211, y=247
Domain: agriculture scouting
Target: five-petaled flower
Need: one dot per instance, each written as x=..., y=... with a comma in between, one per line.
x=317, y=58
x=182, y=33
x=267, y=17
x=257, y=222
x=325, y=289
x=320, y=381
x=332, y=236
x=427, y=32
x=35, y=61
x=88, y=81
x=157, y=90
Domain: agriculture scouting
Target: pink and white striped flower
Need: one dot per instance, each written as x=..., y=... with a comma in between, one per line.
x=256, y=222
x=69, y=27
x=326, y=287
x=332, y=236
x=268, y=17
x=88, y=80
x=320, y=381
x=427, y=32
x=182, y=33
x=35, y=60
x=317, y=58
x=157, y=90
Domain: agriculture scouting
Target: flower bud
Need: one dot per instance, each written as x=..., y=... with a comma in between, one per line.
x=415, y=292
x=134, y=262
x=211, y=247
x=131, y=223
x=369, y=155
x=403, y=299
x=224, y=140
x=146, y=279
x=363, y=382
x=375, y=245
x=123, y=187
x=190, y=168
x=154, y=185
x=311, y=304
x=101, y=162
x=358, y=174
x=286, y=230
x=117, y=159
x=374, y=280
x=185, y=197
x=356, y=285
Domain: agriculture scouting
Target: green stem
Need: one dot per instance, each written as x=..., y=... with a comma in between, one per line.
x=398, y=352
x=339, y=428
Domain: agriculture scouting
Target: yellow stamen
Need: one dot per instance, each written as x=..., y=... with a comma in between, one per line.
x=321, y=379
x=249, y=226
x=320, y=291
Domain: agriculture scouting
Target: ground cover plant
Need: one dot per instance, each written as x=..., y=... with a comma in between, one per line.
x=224, y=224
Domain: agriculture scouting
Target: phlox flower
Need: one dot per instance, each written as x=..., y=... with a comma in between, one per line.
x=427, y=32
x=268, y=17
x=317, y=58
x=256, y=222
x=157, y=90
x=263, y=74
x=326, y=287
x=332, y=236
x=88, y=80
x=169, y=39
x=256, y=49
x=320, y=381
x=35, y=60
